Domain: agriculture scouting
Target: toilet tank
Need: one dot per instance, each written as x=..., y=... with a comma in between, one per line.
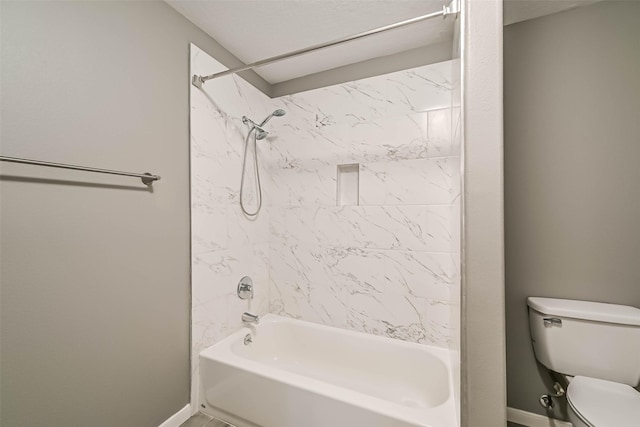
x=586, y=338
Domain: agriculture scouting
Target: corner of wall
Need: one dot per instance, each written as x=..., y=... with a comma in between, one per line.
x=483, y=333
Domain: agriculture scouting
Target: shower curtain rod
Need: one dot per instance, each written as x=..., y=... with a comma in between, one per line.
x=452, y=9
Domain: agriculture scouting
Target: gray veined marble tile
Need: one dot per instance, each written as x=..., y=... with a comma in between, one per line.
x=210, y=323
x=245, y=231
x=288, y=298
x=313, y=185
x=293, y=148
x=291, y=263
x=393, y=315
x=217, y=273
x=420, y=274
x=409, y=182
x=439, y=134
x=440, y=230
x=319, y=303
x=402, y=137
x=355, y=270
x=209, y=228
x=438, y=325
x=327, y=302
x=350, y=102
x=386, y=139
x=420, y=89
x=211, y=273
x=403, y=227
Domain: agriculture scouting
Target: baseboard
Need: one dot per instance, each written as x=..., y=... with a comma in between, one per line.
x=530, y=419
x=178, y=418
x=517, y=416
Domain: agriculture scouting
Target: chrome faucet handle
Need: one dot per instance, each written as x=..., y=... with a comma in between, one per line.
x=245, y=288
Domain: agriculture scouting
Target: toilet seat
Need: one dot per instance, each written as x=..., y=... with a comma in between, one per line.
x=601, y=403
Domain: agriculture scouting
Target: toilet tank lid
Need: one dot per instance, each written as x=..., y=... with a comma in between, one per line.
x=586, y=310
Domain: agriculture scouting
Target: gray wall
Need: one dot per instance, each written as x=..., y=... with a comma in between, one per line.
x=572, y=179
x=361, y=70
x=95, y=270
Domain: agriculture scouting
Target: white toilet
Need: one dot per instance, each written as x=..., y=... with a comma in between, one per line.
x=597, y=347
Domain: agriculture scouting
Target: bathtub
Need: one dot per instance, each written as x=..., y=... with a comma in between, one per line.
x=300, y=374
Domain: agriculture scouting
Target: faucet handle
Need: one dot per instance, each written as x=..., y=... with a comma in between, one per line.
x=245, y=288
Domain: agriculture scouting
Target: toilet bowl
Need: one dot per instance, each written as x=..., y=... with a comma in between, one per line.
x=599, y=345
x=600, y=403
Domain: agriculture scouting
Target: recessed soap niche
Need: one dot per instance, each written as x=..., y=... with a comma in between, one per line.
x=348, y=184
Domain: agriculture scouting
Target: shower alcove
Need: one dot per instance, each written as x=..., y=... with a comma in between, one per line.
x=386, y=264
x=361, y=198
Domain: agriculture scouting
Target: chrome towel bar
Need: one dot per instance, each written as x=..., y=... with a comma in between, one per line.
x=146, y=178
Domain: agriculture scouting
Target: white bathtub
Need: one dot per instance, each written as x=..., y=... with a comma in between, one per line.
x=300, y=374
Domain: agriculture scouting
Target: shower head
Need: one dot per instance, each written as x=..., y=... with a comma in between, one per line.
x=261, y=134
x=277, y=113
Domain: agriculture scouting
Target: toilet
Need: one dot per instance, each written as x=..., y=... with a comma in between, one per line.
x=596, y=346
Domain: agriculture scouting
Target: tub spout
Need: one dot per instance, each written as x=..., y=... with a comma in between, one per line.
x=250, y=318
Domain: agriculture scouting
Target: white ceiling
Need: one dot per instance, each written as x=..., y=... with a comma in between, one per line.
x=257, y=29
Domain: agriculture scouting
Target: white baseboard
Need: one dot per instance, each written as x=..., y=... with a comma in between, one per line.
x=530, y=419
x=178, y=418
x=517, y=416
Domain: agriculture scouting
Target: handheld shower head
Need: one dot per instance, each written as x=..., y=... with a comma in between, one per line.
x=261, y=133
x=258, y=135
x=277, y=113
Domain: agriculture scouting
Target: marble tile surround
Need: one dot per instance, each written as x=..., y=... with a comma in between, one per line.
x=387, y=266
x=225, y=245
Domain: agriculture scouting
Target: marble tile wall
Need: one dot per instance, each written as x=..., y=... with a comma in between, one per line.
x=226, y=245
x=387, y=266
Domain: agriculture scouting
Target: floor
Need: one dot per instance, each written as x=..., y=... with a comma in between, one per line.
x=202, y=420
